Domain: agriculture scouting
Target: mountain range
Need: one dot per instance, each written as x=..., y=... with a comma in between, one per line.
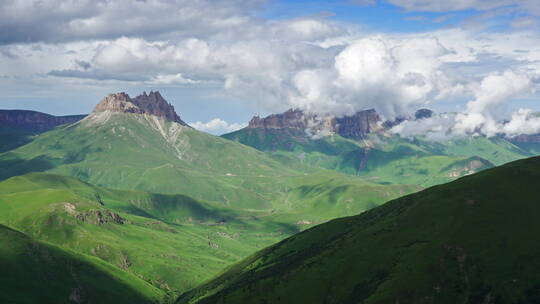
x=362, y=145
x=130, y=200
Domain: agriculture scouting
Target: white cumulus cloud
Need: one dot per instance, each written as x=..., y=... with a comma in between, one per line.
x=217, y=126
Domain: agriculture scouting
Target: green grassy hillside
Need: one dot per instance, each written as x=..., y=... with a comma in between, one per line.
x=468, y=241
x=11, y=138
x=170, y=241
x=130, y=151
x=381, y=158
x=318, y=197
x=174, y=242
x=37, y=272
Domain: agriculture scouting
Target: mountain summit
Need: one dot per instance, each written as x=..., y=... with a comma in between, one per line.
x=355, y=126
x=152, y=104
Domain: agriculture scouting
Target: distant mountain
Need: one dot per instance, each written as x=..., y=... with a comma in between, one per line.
x=141, y=143
x=124, y=145
x=356, y=126
x=468, y=241
x=361, y=145
x=18, y=127
x=34, y=122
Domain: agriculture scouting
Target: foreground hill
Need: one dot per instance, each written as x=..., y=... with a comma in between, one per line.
x=37, y=272
x=468, y=241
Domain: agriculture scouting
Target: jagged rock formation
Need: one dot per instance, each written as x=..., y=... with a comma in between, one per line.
x=354, y=126
x=292, y=118
x=359, y=124
x=35, y=122
x=152, y=104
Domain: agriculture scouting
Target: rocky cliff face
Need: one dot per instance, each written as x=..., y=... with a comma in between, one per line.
x=35, y=122
x=293, y=118
x=355, y=126
x=358, y=125
x=152, y=104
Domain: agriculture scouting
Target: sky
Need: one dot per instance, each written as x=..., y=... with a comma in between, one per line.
x=222, y=62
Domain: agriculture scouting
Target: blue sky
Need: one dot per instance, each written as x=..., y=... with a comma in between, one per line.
x=232, y=59
x=382, y=17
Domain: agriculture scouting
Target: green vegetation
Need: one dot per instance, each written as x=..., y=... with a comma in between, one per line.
x=37, y=272
x=171, y=241
x=128, y=151
x=174, y=242
x=325, y=195
x=468, y=241
x=187, y=204
x=11, y=138
x=382, y=158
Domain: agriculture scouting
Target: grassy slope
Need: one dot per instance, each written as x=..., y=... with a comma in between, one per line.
x=174, y=241
x=383, y=159
x=325, y=195
x=128, y=151
x=293, y=147
x=37, y=272
x=496, y=150
x=11, y=138
x=468, y=241
x=171, y=241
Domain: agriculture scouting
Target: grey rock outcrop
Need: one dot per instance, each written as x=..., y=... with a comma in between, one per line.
x=355, y=126
x=152, y=104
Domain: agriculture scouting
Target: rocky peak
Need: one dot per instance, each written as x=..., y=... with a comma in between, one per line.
x=354, y=126
x=292, y=118
x=359, y=124
x=152, y=104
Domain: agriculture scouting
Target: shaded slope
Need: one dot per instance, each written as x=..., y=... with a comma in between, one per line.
x=468, y=241
x=36, y=272
x=11, y=138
